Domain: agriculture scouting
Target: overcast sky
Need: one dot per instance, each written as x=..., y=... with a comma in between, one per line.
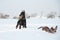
x=13, y=7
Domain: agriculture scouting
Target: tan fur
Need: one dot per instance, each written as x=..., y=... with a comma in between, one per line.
x=20, y=17
x=47, y=29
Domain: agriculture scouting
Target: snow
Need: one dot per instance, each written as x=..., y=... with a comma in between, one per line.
x=9, y=32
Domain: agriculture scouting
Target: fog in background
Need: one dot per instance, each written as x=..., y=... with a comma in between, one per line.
x=14, y=7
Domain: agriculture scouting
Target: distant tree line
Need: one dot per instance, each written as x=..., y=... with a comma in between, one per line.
x=4, y=16
x=49, y=15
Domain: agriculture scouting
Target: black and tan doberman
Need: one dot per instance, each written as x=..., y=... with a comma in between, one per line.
x=21, y=21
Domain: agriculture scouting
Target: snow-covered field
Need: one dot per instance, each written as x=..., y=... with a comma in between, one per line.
x=9, y=32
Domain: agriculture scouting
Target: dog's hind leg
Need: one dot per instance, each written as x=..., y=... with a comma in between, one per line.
x=24, y=26
x=20, y=27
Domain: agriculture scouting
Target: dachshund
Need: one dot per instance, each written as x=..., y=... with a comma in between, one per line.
x=47, y=29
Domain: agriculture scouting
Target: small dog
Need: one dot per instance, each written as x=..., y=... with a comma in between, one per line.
x=47, y=29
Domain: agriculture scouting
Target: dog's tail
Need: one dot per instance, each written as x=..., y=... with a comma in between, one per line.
x=39, y=27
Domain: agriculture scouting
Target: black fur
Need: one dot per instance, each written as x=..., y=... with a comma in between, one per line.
x=21, y=22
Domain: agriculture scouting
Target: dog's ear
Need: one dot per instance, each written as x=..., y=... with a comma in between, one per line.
x=56, y=27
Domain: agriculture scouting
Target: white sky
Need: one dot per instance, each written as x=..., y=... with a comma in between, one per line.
x=13, y=7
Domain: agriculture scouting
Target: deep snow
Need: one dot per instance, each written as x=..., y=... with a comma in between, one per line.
x=8, y=31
